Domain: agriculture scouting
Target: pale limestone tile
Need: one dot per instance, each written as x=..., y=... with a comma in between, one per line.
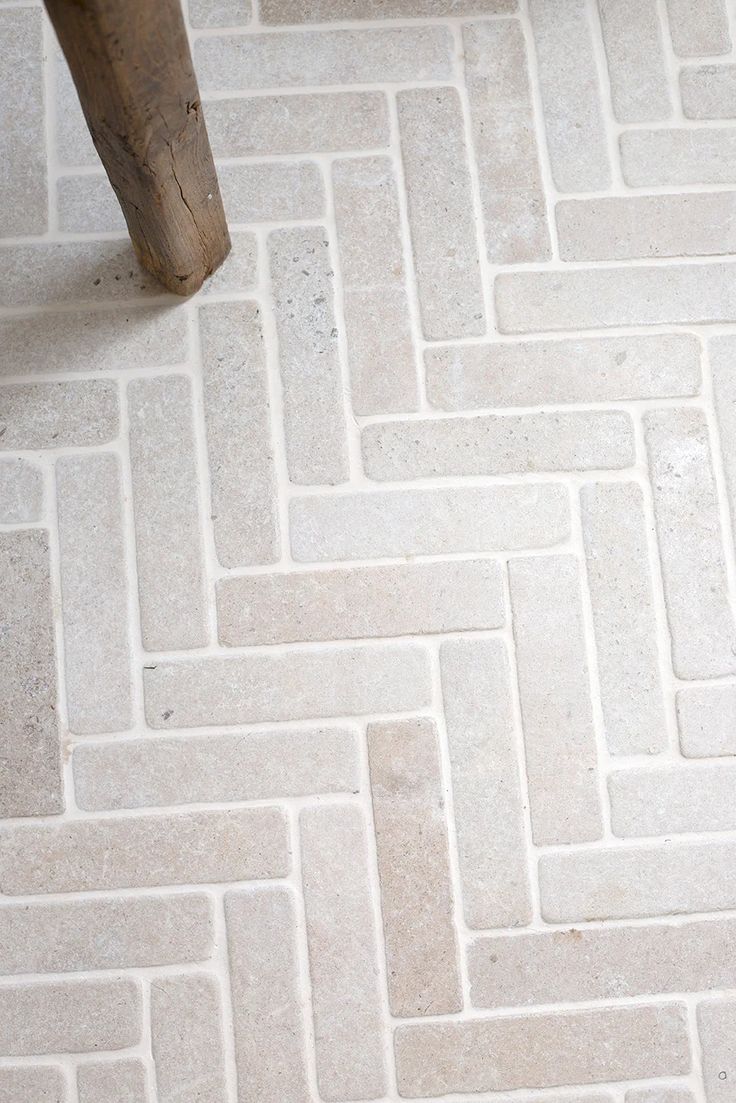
x=487, y=799
x=240, y=62
x=314, y=416
x=427, y=522
x=143, y=850
x=270, y=1046
x=239, y=270
x=112, y=1082
x=543, y=1050
x=94, y=591
x=700, y=618
x=717, y=1032
x=326, y=122
x=319, y=11
x=105, y=933
x=593, y=298
x=498, y=445
x=698, y=29
x=239, y=445
x=72, y=140
x=192, y=770
x=601, y=963
x=647, y=226
x=21, y=492
x=272, y=191
x=554, y=688
x=405, y=600
x=576, y=132
x=636, y=882
x=380, y=348
x=530, y=373
x=167, y=517
x=708, y=91
x=723, y=358
x=219, y=13
x=343, y=954
x=23, y=200
x=632, y=37
x=58, y=415
x=440, y=208
x=74, y=272
x=667, y=800
x=74, y=1016
x=679, y=156
x=300, y=684
x=87, y=204
x=98, y=340
x=29, y=737
x=659, y=1094
x=32, y=1084
x=706, y=716
x=414, y=868
x=620, y=583
x=504, y=139
x=186, y=1039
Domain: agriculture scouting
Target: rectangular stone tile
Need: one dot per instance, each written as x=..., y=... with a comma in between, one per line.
x=405, y=600
x=593, y=298
x=240, y=62
x=690, y=544
x=601, y=963
x=593, y=369
x=239, y=443
x=698, y=31
x=321, y=11
x=502, y=122
x=112, y=1082
x=32, y=1084
x=706, y=716
x=383, y=375
x=219, y=13
x=299, y=684
x=94, y=593
x=72, y=140
x=320, y=122
x=637, y=881
x=717, y=1032
x=273, y=191
x=31, y=782
x=314, y=413
x=21, y=492
x=94, y=340
x=105, y=933
x=620, y=583
x=167, y=517
x=267, y=1003
x=69, y=1016
x=485, y=783
x=186, y=1039
x=427, y=522
x=554, y=688
x=723, y=357
x=660, y=1094
x=667, y=800
x=708, y=91
x=193, y=770
x=87, y=204
x=647, y=226
x=540, y=1051
x=58, y=415
x=440, y=209
x=239, y=270
x=47, y=273
x=414, y=868
x=576, y=133
x=343, y=954
x=632, y=37
x=679, y=156
x=23, y=200
x=139, y=851
x=497, y=445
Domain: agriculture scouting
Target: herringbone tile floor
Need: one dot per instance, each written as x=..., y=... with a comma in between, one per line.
x=368, y=658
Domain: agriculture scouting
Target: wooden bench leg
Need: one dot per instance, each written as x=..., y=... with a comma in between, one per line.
x=133, y=71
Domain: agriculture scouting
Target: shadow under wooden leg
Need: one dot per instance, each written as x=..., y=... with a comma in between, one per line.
x=133, y=71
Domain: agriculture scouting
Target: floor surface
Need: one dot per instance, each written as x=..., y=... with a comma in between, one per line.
x=368, y=668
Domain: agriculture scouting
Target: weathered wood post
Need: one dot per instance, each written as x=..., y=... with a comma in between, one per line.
x=133, y=71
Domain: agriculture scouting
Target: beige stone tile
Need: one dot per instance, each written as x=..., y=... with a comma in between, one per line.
x=58, y=415
x=632, y=36
x=73, y=272
x=687, y=155
x=219, y=13
x=186, y=1039
x=670, y=800
x=696, y=33
x=32, y=1084
x=23, y=200
x=87, y=204
x=113, y=1082
x=706, y=716
x=308, y=11
x=21, y=492
x=663, y=1094
x=717, y=1032
x=75, y=1016
x=271, y=191
x=708, y=91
